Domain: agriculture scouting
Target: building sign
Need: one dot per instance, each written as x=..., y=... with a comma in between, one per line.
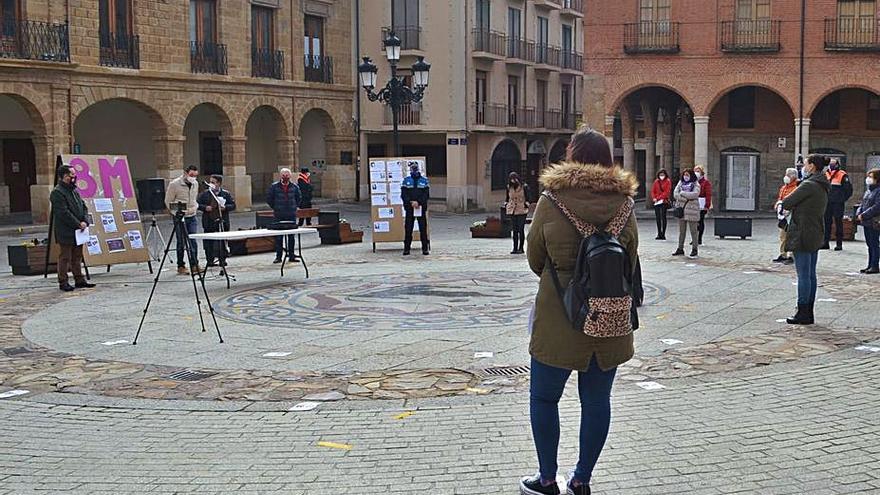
x=782, y=142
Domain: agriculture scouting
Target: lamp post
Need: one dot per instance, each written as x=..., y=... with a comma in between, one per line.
x=395, y=94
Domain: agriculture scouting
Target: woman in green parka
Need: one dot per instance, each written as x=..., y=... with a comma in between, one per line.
x=595, y=190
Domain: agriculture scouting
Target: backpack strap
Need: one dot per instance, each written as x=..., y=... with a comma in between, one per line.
x=585, y=229
x=618, y=222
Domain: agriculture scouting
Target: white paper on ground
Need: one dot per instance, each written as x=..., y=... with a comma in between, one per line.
x=277, y=354
x=13, y=393
x=827, y=299
x=650, y=385
x=381, y=226
x=82, y=236
x=304, y=406
x=781, y=320
x=114, y=342
x=691, y=265
x=103, y=204
x=671, y=341
x=868, y=348
x=481, y=355
x=751, y=273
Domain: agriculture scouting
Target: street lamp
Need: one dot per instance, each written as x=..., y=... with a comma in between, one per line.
x=396, y=94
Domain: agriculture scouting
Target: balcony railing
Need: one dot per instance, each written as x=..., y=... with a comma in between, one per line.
x=852, y=34
x=490, y=114
x=207, y=58
x=575, y=5
x=749, y=36
x=120, y=50
x=651, y=37
x=409, y=115
x=410, y=36
x=267, y=63
x=500, y=115
x=318, y=68
x=570, y=120
x=490, y=42
x=31, y=40
x=521, y=49
x=571, y=61
x=547, y=55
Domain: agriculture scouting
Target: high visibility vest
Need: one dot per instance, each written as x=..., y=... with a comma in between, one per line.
x=836, y=177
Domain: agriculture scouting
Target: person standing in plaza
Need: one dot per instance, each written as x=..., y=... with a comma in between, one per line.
x=304, y=183
x=185, y=190
x=841, y=191
x=805, y=233
x=215, y=204
x=661, y=195
x=415, y=192
x=868, y=215
x=705, y=200
x=517, y=208
x=69, y=214
x=789, y=184
x=687, y=206
x=284, y=197
x=596, y=192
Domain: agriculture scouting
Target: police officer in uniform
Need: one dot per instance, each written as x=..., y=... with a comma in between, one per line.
x=415, y=192
x=841, y=191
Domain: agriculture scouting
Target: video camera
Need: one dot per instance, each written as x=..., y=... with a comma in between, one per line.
x=181, y=209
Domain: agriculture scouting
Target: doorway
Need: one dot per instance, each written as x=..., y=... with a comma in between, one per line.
x=20, y=172
x=641, y=159
x=211, y=154
x=740, y=176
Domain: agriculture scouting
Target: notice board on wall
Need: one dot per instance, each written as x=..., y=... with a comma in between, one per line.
x=116, y=233
x=386, y=205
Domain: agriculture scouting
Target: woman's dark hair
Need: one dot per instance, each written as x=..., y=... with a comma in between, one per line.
x=688, y=171
x=819, y=161
x=218, y=178
x=875, y=174
x=589, y=146
x=662, y=171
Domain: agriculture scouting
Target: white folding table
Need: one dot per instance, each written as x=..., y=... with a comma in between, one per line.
x=240, y=235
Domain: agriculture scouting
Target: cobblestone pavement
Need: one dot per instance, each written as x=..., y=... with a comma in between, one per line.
x=749, y=405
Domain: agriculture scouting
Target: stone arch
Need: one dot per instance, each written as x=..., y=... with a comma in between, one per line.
x=283, y=112
x=209, y=139
x=316, y=134
x=330, y=124
x=506, y=157
x=36, y=115
x=622, y=95
x=139, y=98
x=718, y=95
x=557, y=151
x=834, y=89
x=30, y=146
x=268, y=146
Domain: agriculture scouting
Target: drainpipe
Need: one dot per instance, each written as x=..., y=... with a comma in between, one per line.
x=802, y=62
x=357, y=44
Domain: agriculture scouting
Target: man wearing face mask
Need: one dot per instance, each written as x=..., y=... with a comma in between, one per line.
x=841, y=191
x=415, y=193
x=284, y=197
x=68, y=215
x=215, y=204
x=185, y=189
x=790, y=182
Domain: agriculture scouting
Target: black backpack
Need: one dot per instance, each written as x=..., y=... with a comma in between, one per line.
x=599, y=298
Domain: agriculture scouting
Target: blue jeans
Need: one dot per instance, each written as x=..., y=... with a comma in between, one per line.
x=872, y=239
x=192, y=226
x=805, y=264
x=594, y=389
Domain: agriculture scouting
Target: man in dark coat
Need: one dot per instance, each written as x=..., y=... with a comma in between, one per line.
x=215, y=204
x=69, y=214
x=283, y=197
x=304, y=182
x=841, y=191
x=415, y=192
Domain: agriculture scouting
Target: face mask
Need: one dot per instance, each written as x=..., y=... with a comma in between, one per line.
x=662, y=177
x=869, y=181
x=191, y=180
x=699, y=175
x=786, y=179
x=415, y=173
x=214, y=187
x=686, y=178
x=835, y=167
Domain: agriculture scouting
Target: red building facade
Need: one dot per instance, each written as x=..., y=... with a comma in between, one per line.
x=726, y=84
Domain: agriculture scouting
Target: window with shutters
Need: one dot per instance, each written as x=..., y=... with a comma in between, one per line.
x=262, y=28
x=203, y=21
x=654, y=10
x=483, y=15
x=856, y=22
x=752, y=10
x=512, y=99
x=405, y=22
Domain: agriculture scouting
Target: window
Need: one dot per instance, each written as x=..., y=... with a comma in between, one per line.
x=483, y=15
x=873, y=112
x=514, y=23
x=262, y=28
x=741, y=108
x=543, y=31
x=827, y=113
x=404, y=13
x=10, y=13
x=481, y=94
x=566, y=98
x=115, y=17
x=203, y=21
x=567, y=38
x=654, y=10
x=313, y=39
x=512, y=99
x=540, y=101
x=752, y=10
x=856, y=8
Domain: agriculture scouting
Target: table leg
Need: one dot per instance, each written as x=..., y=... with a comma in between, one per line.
x=301, y=259
x=285, y=252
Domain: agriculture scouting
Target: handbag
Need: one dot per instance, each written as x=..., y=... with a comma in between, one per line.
x=678, y=212
x=783, y=224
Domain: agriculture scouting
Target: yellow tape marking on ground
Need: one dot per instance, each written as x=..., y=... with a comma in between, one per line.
x=404, y=415
x=334, y=445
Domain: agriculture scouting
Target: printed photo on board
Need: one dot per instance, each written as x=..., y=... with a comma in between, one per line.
x=115, y=245
x=131, y=216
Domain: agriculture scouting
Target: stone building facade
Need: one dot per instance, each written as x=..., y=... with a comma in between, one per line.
x=506, y=79
x=239, y=88
x=684, y=82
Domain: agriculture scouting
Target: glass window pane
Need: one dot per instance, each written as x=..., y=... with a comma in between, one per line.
x=209, y=22
x=193, y=33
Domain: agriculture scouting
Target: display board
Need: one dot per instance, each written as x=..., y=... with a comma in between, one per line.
x=116, y=233
x=386, y=205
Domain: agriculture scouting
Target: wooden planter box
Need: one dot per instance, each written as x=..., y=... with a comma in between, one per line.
x=341, y=233
x=493, y=229
x=30, y=260
x=849, y=230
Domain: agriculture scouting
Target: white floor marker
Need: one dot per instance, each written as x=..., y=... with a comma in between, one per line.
x=781, y=320
x=481, y=355
x=671, y=341
x=304, y=406
x=827, y=299
x=277, y=354
x=650, y=385
x=114, y=342
x=868, y=348
x=13, y=393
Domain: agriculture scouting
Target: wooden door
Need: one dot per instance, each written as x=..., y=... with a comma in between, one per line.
x=20, y=171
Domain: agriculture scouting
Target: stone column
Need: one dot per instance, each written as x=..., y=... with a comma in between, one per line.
x=338, y=180
x=169, y=156
x=701, y=141
x=668, y=140
x=456, y=173
x=801, y=146
x=46, y=151
x=650, y=165
x=609, y=133
x=235, y=177
x=629, y=154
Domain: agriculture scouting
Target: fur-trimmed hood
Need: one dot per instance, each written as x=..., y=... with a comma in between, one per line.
x=595, y=178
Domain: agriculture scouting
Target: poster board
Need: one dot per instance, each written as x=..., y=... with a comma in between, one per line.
x=386, y=206
x=116, y=232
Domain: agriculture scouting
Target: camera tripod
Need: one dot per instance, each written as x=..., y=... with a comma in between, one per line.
x=154, y=238
x=181, y=234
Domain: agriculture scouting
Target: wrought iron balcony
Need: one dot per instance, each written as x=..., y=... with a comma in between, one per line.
x=409, y=115
x=553, y=119
x=31, y=40
x=547, y=55
x=520, y=49
x=207, y=58
x=651, y=37
x=491, y=42
x=749, y=36
x=410, y=36
x=571, y=61
x=267, y=63
x=490, y=114
x=852, y=34
x=318, y=68
x=570, y=120
x=573, y=7
x=120, y=50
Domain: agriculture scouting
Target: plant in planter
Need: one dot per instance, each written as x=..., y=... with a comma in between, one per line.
x=492, y=227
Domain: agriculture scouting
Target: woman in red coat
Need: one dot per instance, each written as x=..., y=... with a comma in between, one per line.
x=661, y=194
x=705, y=199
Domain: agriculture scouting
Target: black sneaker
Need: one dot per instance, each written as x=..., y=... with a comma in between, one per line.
x=580, y=490
x=277, y=260
x=789, y=261
x=406, y=252
x=780, y=259
x=838, y=248
x=693, y=254
x=66, y=287
x=84, y=285
x=678, y=252
x=531, y=485
x=825, y=246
